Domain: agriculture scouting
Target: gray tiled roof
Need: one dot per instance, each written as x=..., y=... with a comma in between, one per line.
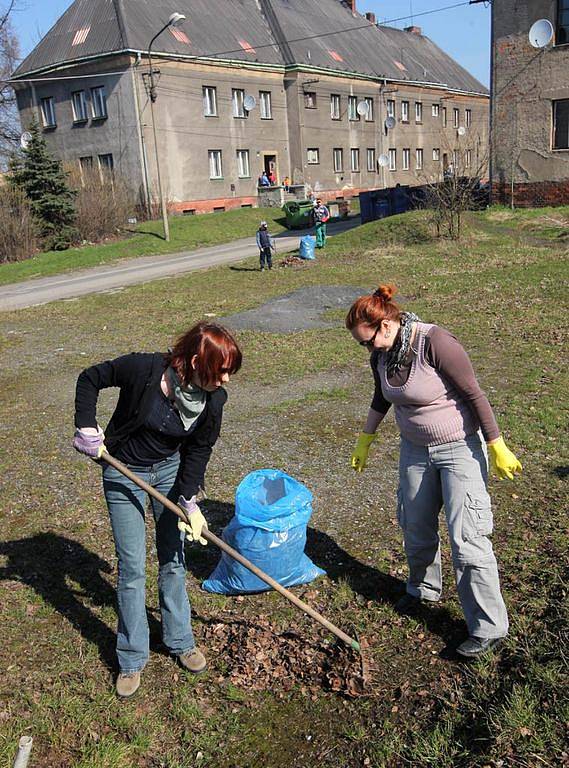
x=260, y=31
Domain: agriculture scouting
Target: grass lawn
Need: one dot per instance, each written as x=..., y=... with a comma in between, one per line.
x=297, y=404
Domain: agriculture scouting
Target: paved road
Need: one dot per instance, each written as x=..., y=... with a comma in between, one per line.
x=70, y=285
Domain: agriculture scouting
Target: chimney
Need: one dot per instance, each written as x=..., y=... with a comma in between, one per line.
x=370, y=17
x=414, y=30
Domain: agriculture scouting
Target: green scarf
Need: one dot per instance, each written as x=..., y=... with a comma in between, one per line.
x=189, y=400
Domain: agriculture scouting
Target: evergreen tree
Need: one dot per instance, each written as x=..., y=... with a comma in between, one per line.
x=44, y=182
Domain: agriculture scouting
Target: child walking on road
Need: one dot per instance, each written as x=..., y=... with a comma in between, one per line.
x=266, y=246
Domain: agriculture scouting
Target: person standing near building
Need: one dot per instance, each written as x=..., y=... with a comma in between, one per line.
x=266, y=245
x=264, y=180
x=164, y=427
x=321, y=216
x=447, y=430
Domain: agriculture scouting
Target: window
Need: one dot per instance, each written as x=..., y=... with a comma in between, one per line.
x=418, y=112
x=392, y=159
x=209, y=101
x=435, y=109
x=419, y=159
x=369, y=114
x=79, y=105
x=86, y=163
x=468, y=158
x=106, y=164
x=313, y=156
x=561, y=124
x=371, y=159
x=355, y=159
x=99, y=102
x=266, y=107
x=215, y=168
x=335, y=106
x=48, y=112
x=338, y=160
x=390, y=107
x=456, y=117
x=436, y=154
x=238, y=98
x=353, y=108
x=310, y=99
x=406, y=159
x=562, y=34
x=444, y=117
x=455, y=159
x=243, y=170
x=468, y=117
x=404, y=111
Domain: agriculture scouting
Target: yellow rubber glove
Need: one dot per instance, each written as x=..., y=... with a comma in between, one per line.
x=502, y=460
x=361, y=451
x=193, y=529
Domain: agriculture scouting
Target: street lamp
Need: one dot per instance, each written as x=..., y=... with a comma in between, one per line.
x=175, y=20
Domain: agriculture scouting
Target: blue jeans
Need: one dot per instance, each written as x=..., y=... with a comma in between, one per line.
x=126, y=503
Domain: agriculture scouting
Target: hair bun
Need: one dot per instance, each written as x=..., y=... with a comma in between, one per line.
x=385, y=292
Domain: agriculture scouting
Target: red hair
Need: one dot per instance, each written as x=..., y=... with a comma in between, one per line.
x=372, y=309
x=216, y=350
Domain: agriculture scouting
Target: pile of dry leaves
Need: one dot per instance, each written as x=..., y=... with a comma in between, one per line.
x=292, y=261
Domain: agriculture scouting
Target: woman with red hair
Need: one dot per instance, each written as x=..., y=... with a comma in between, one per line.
x=447, y=430
x=165, y=424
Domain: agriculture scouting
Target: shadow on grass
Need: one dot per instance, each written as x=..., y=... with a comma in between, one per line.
x=53, y=566
x=244, y=269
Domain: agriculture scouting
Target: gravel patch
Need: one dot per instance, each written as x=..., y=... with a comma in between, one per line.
x=297, y=311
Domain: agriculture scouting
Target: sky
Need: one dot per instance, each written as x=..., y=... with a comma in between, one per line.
x=463, y=32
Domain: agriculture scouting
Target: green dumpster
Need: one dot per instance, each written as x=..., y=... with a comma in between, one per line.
x=299, y=214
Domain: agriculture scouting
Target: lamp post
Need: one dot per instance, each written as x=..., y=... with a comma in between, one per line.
x=174, y=20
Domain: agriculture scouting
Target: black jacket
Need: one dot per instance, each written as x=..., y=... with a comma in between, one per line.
x=138, y=376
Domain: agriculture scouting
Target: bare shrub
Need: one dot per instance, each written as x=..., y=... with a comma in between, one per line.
x=104, y=202
x=18, y=230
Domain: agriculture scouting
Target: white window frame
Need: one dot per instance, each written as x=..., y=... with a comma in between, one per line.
x=455, y=159
x=369, y=114
x=355, y=159
x=390, y=108
x=215, y=160
x=404, y=111
x=335, y=106
x=444, y=111
x=418, y=111
x=370, y=154
x=392, y=153
x=405, y=159
x=468, y=117
x=419, y=159
x=237, y=102
x=99, y=103
x=310, y=100
x=353, y=108
x=79, y=106
x=467, y=158
x=265, y=105
x=435, y=110
x=455, y=117
x=338, y=155
x=243, y=165
x=209, y=94
x=436, y=154
x=47, y=108
x=313, y=156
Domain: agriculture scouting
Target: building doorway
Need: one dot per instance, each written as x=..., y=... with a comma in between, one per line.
x=270, y=166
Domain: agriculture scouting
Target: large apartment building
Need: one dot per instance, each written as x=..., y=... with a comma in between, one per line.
x=530, y=103
x=302, y=88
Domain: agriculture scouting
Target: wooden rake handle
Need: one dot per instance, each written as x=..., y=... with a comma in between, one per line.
x=213, y=539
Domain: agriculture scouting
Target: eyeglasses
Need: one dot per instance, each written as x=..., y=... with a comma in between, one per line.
x=370, y=342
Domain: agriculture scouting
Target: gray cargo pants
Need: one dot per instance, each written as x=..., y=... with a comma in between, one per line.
x=453, y=474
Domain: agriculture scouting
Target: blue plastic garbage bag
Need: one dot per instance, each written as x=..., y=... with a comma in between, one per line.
x=272, y=510
x=307, y=247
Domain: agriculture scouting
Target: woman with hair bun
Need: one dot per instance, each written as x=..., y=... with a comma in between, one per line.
x=165, y=424
x=447, y=430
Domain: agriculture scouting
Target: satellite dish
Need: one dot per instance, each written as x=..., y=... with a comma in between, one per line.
x=362, y=108
x=249, y=102
x=383, y=161
x=25, y=139
x=461, y=131
x=389, y=122
x=541, y=33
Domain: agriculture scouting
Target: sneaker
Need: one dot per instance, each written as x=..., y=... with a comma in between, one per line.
x=478, y=646
x=194, y=661
x=409, y=605
x=127, y=684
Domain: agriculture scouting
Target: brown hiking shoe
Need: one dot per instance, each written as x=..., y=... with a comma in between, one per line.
x=194, y=661
x=128, y=684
